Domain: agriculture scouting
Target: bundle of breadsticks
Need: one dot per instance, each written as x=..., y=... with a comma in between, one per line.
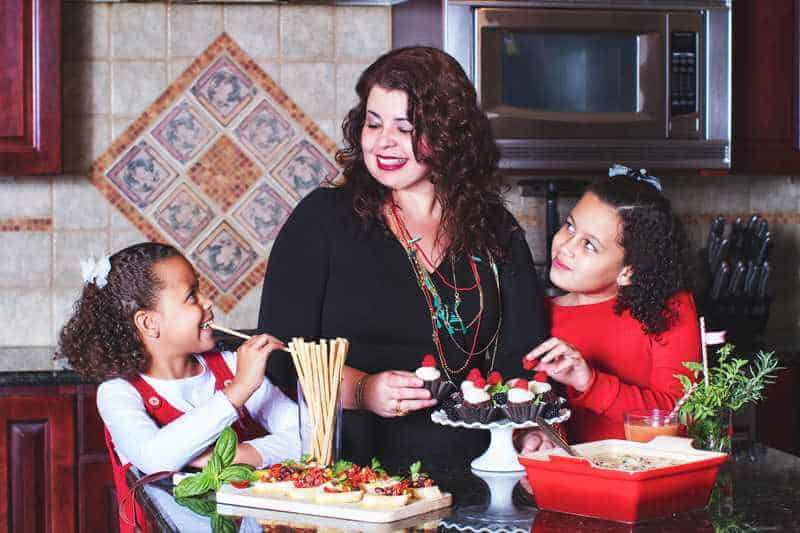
x=319, y=370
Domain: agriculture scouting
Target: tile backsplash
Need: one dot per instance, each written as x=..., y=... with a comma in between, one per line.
x=119, y=57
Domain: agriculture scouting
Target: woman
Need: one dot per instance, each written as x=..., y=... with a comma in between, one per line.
x=413, y=254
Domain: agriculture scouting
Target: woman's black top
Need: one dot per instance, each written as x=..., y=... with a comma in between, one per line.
x=329, y=277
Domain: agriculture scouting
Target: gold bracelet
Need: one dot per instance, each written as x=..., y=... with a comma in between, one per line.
x=360, y=386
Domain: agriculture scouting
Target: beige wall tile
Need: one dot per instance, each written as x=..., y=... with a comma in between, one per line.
x=255, y=29
x=331, y=128
x=347, y=75
x=307, y=32
x=29, y=197
x=122, y=239
x=85, y=138
x=245, y=314
x=25, y=315
x=192, y=28
x=138, y=31
x=273, y=70
x=363, y=32
x=72, y=247
x=86, y=87
x=28, y=358
x=311, y=85
x=119, y=223
x=85, y=30
x=77, y=204
x=177, y=66
x=119, y=124
x=27, y=259
x=135, y=84
x=775, y=194
x=64, y=301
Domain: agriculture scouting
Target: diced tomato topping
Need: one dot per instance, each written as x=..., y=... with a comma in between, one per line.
x=240, y=484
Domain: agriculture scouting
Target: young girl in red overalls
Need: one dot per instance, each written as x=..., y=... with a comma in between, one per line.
x=142, y=327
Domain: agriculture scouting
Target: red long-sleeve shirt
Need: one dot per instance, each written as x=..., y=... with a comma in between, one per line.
x=630, y=370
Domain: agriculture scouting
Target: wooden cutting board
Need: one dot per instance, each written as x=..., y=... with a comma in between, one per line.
x=349, y=511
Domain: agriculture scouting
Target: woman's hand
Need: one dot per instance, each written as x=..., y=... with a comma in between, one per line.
x=395, y=393
x=532, y=440
x=562, y=362
x=251, y=363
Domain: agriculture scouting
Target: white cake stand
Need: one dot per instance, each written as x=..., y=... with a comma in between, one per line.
x=499, y=469
x=500, y=456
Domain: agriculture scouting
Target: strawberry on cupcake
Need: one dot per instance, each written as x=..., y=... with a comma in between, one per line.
x=476, y=404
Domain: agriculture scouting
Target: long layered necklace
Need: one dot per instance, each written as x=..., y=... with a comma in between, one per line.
x=444, y=317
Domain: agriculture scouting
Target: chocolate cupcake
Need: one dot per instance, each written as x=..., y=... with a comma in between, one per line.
x=476, y=405
x=432, y=378
x=521, y=406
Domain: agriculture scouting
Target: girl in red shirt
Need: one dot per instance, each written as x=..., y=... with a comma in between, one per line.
x=626, y=324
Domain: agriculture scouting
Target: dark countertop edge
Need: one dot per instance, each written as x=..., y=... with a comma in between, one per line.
x=42, y=378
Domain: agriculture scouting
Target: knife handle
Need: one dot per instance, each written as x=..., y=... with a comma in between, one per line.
x=762, y=281
x=720, y=280
x=737, y=277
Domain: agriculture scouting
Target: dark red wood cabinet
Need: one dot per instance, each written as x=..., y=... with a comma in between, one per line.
x=766, y=85
x=30, y=87
x=54, y=470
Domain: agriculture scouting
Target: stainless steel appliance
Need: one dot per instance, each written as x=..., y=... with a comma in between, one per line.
x=581, y=84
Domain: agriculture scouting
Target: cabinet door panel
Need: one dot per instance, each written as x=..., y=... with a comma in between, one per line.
x=37, y=464
x=30, y=87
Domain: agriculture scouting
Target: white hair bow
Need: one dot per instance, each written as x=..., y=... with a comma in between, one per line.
x=96, y=271
x=641, y=175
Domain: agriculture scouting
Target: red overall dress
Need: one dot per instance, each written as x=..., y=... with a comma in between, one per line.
x=163, y=413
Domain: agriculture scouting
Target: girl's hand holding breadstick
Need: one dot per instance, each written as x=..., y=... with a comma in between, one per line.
x=562, y=362
x=251, y=363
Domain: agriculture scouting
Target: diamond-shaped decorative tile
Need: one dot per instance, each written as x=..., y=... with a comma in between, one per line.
x=263, y=213
x=224, y=90
x=215, y=166
x=142, y=175
x=224, y=172
x=224, y=256
x=184, y=215
x=183, y=132
x=263, y=131
x=303, y=169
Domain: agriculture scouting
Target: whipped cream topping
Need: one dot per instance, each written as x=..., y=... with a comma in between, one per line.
x=475, y=395
x=519, y=395
x=538, y=387
x=428, y=373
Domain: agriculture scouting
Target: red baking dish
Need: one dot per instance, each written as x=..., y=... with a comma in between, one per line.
x=574, y=485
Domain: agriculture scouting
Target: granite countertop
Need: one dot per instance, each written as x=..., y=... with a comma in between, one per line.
x=755, y=491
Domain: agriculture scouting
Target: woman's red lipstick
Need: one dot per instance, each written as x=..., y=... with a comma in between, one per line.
x=388, y=167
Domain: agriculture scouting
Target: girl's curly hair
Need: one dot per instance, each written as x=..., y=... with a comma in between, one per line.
x=459, y=146
x=655, y=247
x=100, y=340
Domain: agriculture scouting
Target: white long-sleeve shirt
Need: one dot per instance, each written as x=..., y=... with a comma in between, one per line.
x=139, y=440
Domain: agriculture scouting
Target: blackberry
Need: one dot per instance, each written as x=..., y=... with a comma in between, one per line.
x=448, y=402
x=451, y=413
x=500, y=398
x=550, y=410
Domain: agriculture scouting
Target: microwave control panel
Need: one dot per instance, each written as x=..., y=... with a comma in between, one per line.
x=683, y=73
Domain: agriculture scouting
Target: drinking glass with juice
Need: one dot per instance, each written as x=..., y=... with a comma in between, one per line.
x=644, y=425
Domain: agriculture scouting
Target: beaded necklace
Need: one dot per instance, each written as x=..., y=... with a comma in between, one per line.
x=441, y=316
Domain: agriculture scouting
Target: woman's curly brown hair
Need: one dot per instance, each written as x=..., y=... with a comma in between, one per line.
x=655, y=247
x=459, y=147
x=100, y=340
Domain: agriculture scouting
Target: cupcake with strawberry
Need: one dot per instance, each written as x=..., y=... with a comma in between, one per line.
x=520, y=406
x=432, y=378
x=476, y=404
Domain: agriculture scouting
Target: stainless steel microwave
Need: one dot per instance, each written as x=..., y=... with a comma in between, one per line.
x=581, y=84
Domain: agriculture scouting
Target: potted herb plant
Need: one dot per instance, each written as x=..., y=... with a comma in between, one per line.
x=726, y=388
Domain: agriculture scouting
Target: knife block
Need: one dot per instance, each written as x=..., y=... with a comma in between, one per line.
x=743, y=319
